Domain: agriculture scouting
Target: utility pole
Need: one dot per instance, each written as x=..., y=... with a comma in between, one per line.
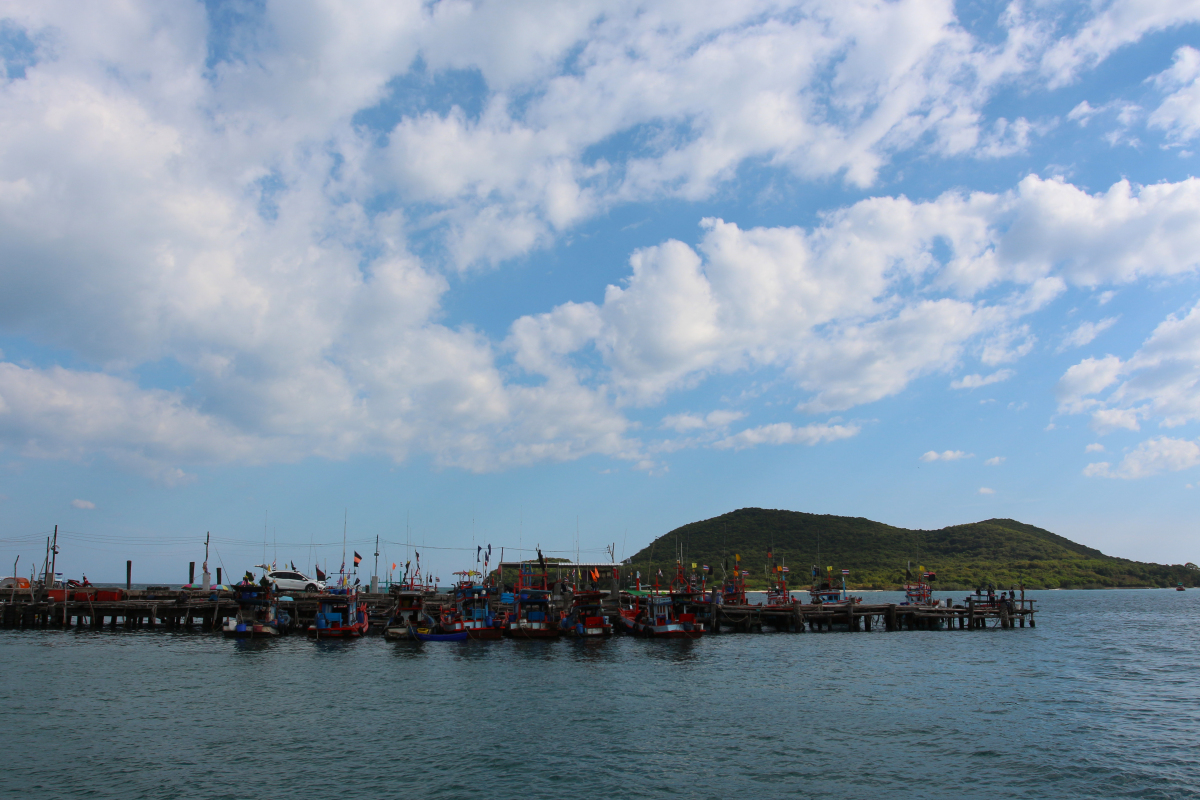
x=54, y=557
x=375, y=574
x=207, y=577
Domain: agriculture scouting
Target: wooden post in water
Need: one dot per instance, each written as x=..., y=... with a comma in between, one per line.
x=191, y=572
x=218, y=575
x=128, y=575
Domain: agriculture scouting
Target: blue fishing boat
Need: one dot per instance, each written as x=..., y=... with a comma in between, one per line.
x=825, y=590
x=531, y=617
x=258, y=615
x=340, y=615
x=424, y=634
x=475, y=610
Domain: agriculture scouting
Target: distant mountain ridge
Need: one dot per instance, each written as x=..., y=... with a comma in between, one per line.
x=1001, y=552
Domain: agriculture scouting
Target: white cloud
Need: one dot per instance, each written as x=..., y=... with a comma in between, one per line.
x=246, y=222
x=83, y=504
x=946, y=455
x=1086, y=332
x=1179, y=113
x=1094, y=447
x=1088, y=377
x=975, y=381
x=985, y=490
x=1160, y=380
x=1151, y=457
x=785, y=433
x=995, y=461
x=685, y=422
x=1106, y=420
x=1115, y=25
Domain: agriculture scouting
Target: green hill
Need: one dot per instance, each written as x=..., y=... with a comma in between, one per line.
x=1002, y=552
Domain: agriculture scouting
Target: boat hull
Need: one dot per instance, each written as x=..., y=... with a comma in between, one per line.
x=258, y=632
x=520, y=632
x=457, y=636
x=485, y=634
x=351, y=632
x=673, y=634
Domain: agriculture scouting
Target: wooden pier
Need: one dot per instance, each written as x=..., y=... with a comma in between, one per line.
x=167, y=609
x=797, y=616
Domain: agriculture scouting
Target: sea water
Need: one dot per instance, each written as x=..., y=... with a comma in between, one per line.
x=1101, y=699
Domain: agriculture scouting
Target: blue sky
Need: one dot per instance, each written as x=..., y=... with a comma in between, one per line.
x=575, y=274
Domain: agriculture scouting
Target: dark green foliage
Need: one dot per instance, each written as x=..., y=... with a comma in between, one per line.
x=1001, y=552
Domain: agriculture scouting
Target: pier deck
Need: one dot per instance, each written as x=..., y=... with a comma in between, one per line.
x=181, y=610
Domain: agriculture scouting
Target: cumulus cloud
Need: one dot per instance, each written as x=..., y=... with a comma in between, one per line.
x=1179, y=113
x=1151, y=457
x=1085, y=332
x=975, y=381
x=785, y=433
x=1114, y=25
x=946, y=455
x=1157, y=382
x=274, y=212
x=995, y=461
x=1094, y=447
x=83, y=504
x=685, y=422
x=985, y=490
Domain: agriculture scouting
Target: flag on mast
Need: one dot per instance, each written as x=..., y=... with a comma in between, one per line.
x=357, y=558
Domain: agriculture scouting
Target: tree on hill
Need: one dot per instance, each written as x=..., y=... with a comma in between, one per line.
x=999, y=552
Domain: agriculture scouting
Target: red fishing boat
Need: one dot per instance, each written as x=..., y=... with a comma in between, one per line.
x=778, y=593
x=531, y=617
x=586, y=618
x=475, y=610
x=340, y=616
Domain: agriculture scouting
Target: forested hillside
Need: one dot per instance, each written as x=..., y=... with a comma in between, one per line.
x=1002, y=552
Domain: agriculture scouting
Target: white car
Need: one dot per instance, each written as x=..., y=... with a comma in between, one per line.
x=295, y=581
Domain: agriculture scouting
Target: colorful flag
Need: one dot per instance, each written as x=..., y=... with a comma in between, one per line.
x=320, y=575
x=783, y=569
x=357, y=558
x=845, y=572
x=745, y=572
x=706, y=567
x=393, y=565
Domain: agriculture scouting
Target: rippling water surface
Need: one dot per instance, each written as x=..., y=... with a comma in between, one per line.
x=1102, y=699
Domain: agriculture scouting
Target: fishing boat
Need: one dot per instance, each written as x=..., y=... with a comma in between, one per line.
x=475, y=611
x=586, y=618
x=778, y=593
x=631, y=607
x=340, y=615
x=258, y=615
x=826, y=591
x=919, y=591
x=1179, y=587
x=429, y=634
x=447, y=626
x=662, y=620
x=733, y=591
x=531, y=614
x=409, y=611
